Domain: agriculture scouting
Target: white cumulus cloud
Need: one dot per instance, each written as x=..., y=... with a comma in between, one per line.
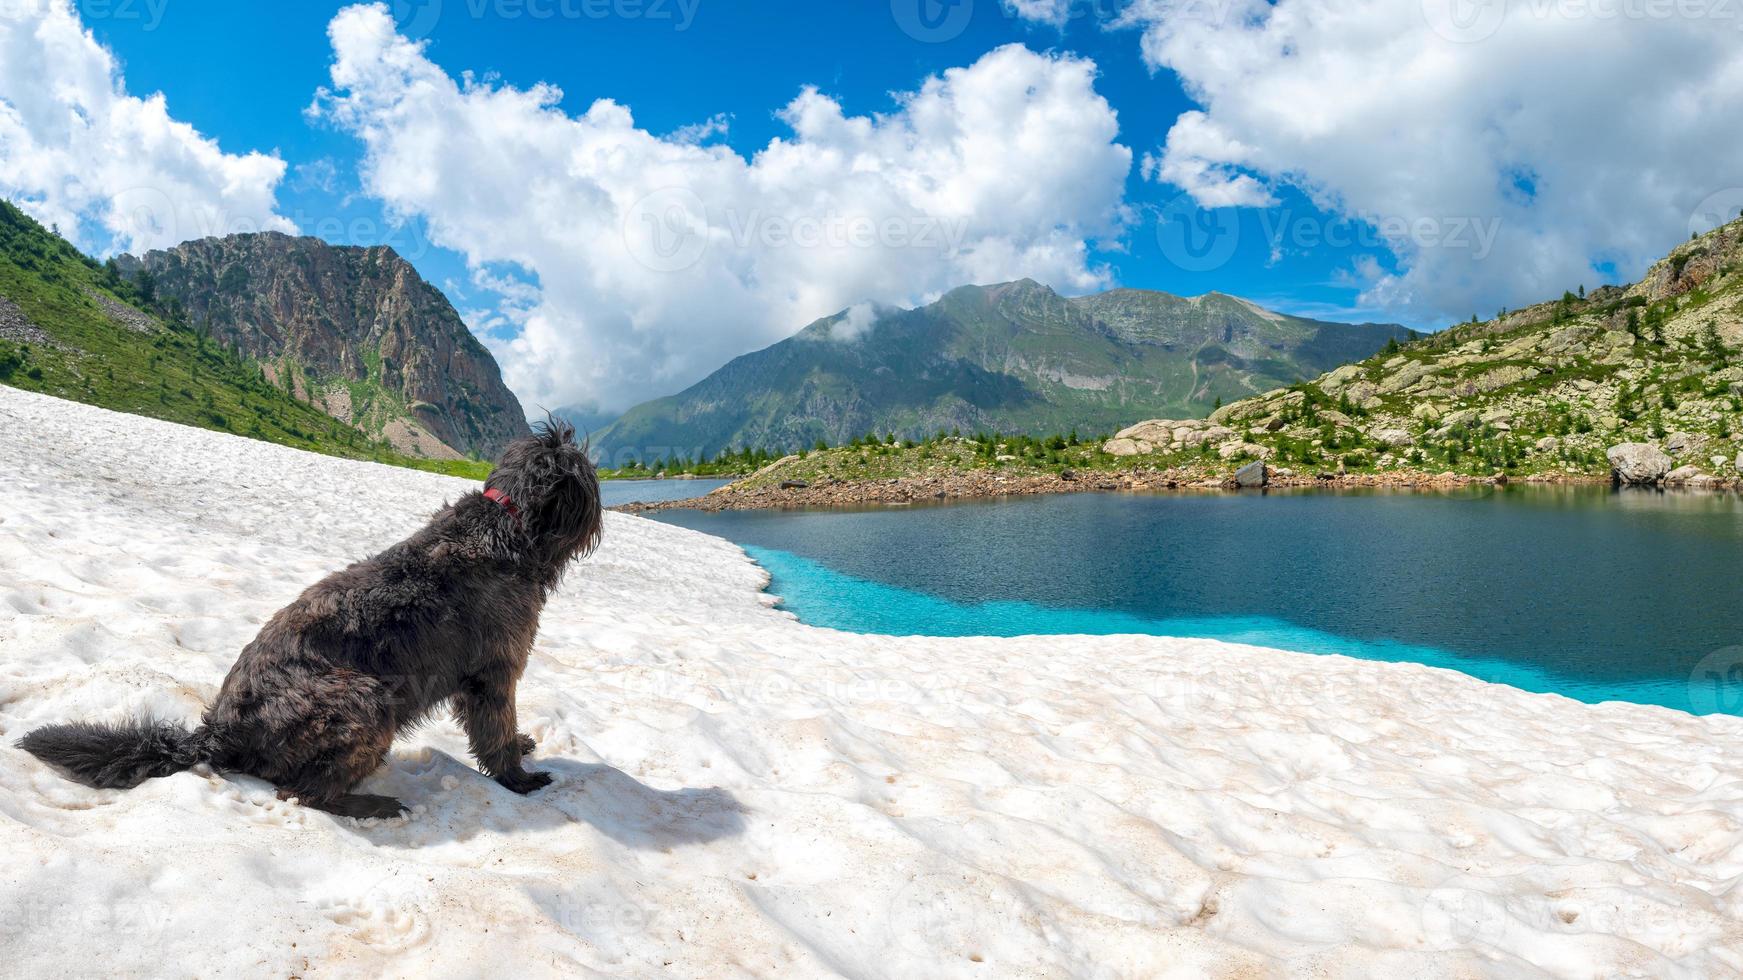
x=656, y=259
x=114, y=171
x=1590, y=131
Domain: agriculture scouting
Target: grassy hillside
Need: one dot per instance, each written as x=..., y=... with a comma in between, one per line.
x=1541, y=391
x=73, y=328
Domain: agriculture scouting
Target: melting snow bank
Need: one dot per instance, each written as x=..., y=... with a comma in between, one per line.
x=738, y=794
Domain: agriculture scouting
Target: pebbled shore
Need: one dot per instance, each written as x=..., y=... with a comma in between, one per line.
x=986, y=484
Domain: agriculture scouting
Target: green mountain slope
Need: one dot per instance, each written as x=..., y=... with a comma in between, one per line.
x=1016, y=357
x=76, y=329
x=1543, y=391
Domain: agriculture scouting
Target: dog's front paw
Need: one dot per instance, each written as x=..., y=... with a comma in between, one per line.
x=527, y=745
x=524, y=782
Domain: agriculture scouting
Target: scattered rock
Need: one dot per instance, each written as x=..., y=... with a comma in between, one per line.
x=1638, y=464
x=1251, y=475
x=1408, y=375
x=1155, y=432
x=1339, y=378
x=1363, y=392
x=1232, y=449
x=16, y=327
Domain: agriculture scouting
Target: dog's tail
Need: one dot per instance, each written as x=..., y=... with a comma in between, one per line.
x=117, y=756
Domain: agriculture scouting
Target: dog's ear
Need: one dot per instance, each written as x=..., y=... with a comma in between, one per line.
x=554, y=488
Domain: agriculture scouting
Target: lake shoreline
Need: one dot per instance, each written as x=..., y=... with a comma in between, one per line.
x=988, y=485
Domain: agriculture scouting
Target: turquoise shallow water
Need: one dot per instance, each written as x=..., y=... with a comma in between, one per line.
x=1592, y=595
x=821, y=596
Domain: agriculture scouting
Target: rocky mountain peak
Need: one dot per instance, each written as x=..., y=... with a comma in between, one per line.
x=352, y=329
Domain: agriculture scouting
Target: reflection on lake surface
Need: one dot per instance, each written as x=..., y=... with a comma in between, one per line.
x=1582, y=591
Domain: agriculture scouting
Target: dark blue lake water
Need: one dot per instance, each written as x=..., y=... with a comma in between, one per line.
x=1583, y=592
x=617, y=492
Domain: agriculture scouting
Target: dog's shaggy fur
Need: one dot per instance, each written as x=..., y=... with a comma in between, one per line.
x=446, y=616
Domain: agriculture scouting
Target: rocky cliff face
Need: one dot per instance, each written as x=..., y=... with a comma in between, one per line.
x=352, y=330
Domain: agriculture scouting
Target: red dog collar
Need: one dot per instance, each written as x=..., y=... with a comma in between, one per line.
x=502, y=498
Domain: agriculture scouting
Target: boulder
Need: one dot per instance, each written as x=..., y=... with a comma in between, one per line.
x=1362, y=392
x=1408, y=374
x=1229, y=450
x=1739, y=463
x=1155, y=431
x=1427, y=411
x=1682, y=476
x=794, y=485
x=1548, y=444
x=1503, y=377
x=1678, y=443
x=1125, y=447
x=1251, y=475
x=1638, y=463
x=1339, y=378
x=1393, y=438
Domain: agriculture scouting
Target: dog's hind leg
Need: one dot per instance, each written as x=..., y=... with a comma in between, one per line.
x=359, y=805
x=342, y=733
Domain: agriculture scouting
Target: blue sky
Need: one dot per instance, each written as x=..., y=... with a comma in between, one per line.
x=1351, y=159
x=744, y=59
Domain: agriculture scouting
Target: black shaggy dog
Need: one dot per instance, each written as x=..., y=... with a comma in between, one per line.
x=445, y=616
